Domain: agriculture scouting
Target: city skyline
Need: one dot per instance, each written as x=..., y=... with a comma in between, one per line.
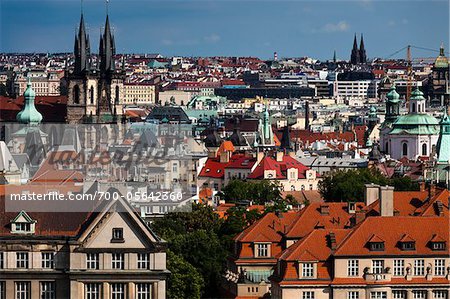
x=206, y=28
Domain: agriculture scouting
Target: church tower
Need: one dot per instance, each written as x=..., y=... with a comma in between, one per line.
x=362, y=51
x=94, y=93
x=355, y=57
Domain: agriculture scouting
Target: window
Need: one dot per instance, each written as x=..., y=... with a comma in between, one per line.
x=419, y=267
x=439, y=267
x=92, y=261
x=23, y=290
x=399, y=267
x=22, y=260
x=117, y=261
x=22, y=227
x=408, y=245
x=262, y=250
x=398, y=294
x=353, y=295
x=143, y=261
x=308, y=295
x=438, y=245
x=377, y=266
x=440, y=294
x=352, y=267
x=76, y=94
x=48, y=259
x=93, y=290
x=376, y=246
x=117, y=235
x=419, y=294
x=378, y=295
x=92, y=94
x=2, y=261
x=405, y=149
x=308, y=270
x=118, y=291
x=2, y=290
x=424, y=149
x=143, y=291
x=48, y=290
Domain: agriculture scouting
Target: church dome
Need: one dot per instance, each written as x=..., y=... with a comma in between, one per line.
x=416, y=124
x=29, y=113
x=393, y=95
x=441, y=61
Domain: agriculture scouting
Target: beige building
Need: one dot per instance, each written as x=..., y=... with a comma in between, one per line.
x=108, y=254
x=44, y=84
x=139, y=94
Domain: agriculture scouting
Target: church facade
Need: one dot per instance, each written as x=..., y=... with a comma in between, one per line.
x=94, y=92
x=412, y=135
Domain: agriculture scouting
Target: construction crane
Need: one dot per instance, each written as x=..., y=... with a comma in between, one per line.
x=408, y=75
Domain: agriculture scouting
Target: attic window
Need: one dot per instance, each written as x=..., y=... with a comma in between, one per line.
x=23, y=224
x=438, y=245
x=117, y=235
x=376, y=246
x=410, y=245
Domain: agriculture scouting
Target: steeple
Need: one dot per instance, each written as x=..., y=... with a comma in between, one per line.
x=334, y=56
x=362, y=51
x=107, y=49
x=355, y=57
x=443, y=144
x=392, y=105
x=82, y=49
x=29, y=114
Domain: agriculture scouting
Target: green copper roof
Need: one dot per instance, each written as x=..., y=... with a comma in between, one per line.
x=392, y=95
x=443, y=144
x=415, y=124
x=29, y=113
x=417, y=95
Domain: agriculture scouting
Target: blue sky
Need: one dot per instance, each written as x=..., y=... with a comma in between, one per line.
x=229, y=27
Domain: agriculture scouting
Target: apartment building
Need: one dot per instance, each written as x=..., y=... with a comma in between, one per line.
x=108, y=254
x=139, y=93
x=394, y=245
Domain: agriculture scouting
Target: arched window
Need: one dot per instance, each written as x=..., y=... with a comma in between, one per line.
x=405, y=149
x=424, y=149
x=292, y=188
x=413, y=108
x=76, y=94
x=92, y=94
x=387, y=147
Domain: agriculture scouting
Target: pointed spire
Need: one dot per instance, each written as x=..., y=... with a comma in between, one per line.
x=107, y=49
x=334, y=56
x=362, y=51
x=355, y=56
x=81, y=49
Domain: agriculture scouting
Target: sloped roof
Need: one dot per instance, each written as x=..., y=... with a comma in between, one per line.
x=269, y=163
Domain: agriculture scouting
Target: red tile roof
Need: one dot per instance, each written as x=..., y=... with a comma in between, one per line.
x=280, y=167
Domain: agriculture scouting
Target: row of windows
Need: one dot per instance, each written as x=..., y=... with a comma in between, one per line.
x=47, y=290
x=399, y=269
x=396, y=294
x=92, y=260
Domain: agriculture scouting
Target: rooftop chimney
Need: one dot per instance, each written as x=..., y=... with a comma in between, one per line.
x=386, y=201
x=370, y=193
x=280, y=156
x=333, y=244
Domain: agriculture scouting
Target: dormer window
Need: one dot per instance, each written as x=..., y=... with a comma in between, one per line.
x=438, y=243
x=23, y=224
x=407, y=243
x=376, y=243
x=117, y=235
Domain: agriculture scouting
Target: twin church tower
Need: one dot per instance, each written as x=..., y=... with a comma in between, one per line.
x=94, y=91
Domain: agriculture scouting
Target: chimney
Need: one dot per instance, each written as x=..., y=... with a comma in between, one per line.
x=224, y=157
x=333, y=244
x=324, y=210
x=386, y=201
x=280, y=156
x=370, y=193
x=422, y=186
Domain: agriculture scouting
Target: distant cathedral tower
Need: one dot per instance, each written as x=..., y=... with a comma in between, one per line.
x=358, y=56
x=94, y=93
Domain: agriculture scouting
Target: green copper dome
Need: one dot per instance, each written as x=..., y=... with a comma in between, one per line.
x=443, y=144
x=392, y=95
x=29, y=113
x=415, y=124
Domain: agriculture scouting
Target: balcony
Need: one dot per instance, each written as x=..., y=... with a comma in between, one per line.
x=375, y=277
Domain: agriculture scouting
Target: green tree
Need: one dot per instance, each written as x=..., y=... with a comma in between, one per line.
x=185, y=281
x=260, y=192
x=404, y=184
x=348, y=185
